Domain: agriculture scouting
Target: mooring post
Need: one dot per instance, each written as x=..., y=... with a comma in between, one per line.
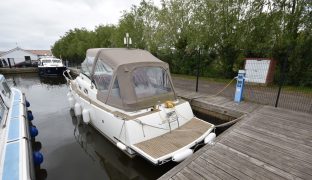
x=240, y=86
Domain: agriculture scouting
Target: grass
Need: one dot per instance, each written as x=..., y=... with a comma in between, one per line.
x=209, y=79
x=285, y=88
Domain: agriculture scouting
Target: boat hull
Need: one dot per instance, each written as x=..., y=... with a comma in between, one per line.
x=51, y=71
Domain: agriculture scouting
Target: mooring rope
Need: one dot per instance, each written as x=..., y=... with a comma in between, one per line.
x=206, y=96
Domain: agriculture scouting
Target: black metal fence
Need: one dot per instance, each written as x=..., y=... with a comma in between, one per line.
x=267, y=83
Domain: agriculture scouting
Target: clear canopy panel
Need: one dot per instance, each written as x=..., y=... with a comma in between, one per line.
x=102, y=75
x=86, y=65
x=150, y=81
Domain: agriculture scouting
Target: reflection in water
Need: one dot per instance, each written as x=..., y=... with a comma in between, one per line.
x=30, y=79
x=57, y=80
x=41, y=174
x=116, y=163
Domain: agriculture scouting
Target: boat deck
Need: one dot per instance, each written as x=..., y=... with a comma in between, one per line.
x=176, y=139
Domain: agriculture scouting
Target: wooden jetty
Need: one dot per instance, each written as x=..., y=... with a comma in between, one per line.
x=18, y=70
x=267, y=143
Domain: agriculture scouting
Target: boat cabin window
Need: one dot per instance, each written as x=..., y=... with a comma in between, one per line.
x=102, y=75
x=46, y=61
x=150, y=81
x=2, y=109
x=86, y=65
x=56, y=61
x=5, y=90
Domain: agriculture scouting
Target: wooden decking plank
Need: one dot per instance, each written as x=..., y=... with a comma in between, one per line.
x=286, y=122
x=202, y=171
x=276, y=134
x=293, y=156
x=301, y=115
x=287, y=119
x=179, y=176
x=273, y=170
x=236, y=163
x=275, y=159
x=293, y=147
x=228, y=169
x=269, y=151
x=304, y=138
x=206, y=166
x=190, y=174
x=178, y=138
x=287, y=114
x=213, y=100
x=303, y=133
x=256, y=165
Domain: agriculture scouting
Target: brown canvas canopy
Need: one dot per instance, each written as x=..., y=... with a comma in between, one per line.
x=128, y=79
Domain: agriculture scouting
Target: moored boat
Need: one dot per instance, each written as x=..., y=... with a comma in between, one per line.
x=17, y=134
x=128, y=96
x=50, y=66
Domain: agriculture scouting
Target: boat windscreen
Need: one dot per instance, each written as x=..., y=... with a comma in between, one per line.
x=86, y=65
x=150, y=81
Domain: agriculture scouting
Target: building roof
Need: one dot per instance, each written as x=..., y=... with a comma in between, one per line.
x=34, y=52
x=41, y=52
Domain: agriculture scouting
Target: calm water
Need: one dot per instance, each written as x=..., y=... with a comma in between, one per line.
x=72, y=150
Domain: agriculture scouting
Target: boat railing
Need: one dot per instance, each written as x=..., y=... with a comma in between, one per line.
x=67, y=75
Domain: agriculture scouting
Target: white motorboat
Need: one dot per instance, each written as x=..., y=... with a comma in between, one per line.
x=18, y=160
x=50, y=66
x=128, y=96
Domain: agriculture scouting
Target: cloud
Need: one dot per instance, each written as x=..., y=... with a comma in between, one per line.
x=37, y=24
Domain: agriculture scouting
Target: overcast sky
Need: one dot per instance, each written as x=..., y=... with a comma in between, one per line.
x=37, y=24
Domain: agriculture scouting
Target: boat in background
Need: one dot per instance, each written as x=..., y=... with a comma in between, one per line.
x=17, y=136
x=128, y=96
x=50, y=66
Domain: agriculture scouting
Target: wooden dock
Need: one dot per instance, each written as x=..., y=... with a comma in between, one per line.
x=18, y=70
x=268, y=143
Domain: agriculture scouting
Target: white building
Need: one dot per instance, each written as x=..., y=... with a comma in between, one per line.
x=18, y=56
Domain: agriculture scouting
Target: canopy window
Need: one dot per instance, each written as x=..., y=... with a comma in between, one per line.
x=102, y=75
x=86, y=65
x=114, y=97
x=150, y=81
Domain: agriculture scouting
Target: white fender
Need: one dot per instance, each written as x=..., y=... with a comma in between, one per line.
x=121, y=146
x=77, y=109
x=71, y=101
x=86, y=116
x=181, y=155
x=210, y=138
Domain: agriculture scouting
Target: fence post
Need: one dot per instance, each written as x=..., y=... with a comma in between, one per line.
x=282, y=79
x=197, y=74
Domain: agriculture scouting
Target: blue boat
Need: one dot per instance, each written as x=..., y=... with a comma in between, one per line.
x=17, y=133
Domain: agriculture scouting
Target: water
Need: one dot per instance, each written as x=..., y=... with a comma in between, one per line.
x=72, y=150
